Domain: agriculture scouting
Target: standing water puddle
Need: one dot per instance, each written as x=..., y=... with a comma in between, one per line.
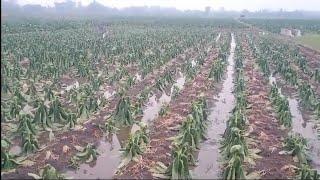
x=106, y=163
x=208, y=157
x=110, y=156
x=154, y=105
x=306, y=129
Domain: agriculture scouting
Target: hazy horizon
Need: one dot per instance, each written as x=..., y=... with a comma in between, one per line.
x=238, y=5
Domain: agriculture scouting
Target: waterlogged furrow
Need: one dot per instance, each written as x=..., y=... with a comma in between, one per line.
x=113, y=155
x=89, y=132
x=109, y=146
x=208, y=156
x=290, y=116
x=265, y=127
x=165, y=127
x=299, y=121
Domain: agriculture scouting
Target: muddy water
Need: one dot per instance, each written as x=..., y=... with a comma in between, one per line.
x=298, y=124
x=305, y=128
x=106, y=164
x=208, y=156
x=108, y=148
x=154, y=105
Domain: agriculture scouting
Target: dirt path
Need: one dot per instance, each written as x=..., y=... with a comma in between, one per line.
x=266, y=129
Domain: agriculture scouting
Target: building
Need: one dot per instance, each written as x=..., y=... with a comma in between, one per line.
x=286, y=32
x=290, y=32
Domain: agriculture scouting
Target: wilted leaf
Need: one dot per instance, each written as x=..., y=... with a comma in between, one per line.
x=65, y=149
x=51, y=136
x=48, y=155
x=79, y=148
x=253, y=175
x=263, y=136
x=78, y=127
x=284, y=152
x=124, y=162
x=289, y=167
x=27, y=163
x=160, y=176
x=255, y=151
x=295, y=159
x=90, y=159
x=7, y=171
x=35, y=176
x=159, y=168
x=250, y=161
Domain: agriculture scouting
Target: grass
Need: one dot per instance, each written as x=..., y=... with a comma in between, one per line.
x=312, y=40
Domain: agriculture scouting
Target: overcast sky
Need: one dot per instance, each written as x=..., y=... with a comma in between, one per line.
x=290, y=5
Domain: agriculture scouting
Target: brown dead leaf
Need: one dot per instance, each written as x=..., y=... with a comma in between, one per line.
x=289, y=167
x=263, y=136
x=74, y=139
x=65, y=149
x=50, y=155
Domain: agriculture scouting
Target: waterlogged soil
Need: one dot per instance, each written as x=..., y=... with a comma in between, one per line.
x=164, y=127
x=208, y=164
x=113, y=155
x=307, y=130
x=89, y=132
x=109, y=147
x=302, y=125
x=266, y=130
x=106, y=163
